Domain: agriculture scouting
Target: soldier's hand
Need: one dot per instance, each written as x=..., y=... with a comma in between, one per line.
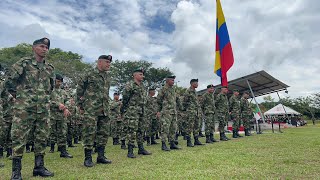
x=66, y=113
x=62, y=107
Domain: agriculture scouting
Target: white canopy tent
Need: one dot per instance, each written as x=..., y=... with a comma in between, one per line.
x=281, y=110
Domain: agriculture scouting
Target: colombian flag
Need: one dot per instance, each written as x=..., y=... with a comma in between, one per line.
x=224, y=55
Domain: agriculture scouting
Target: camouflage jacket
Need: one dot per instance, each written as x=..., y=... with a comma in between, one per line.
x=222, y=105
x=234, y=105
x=34, y=83
x=134, y=97
x=167, y=100
x=208, y=103
x=57, y=97
x=190, y=101
x=151, y=107
x=245, y=107
x=115, y=110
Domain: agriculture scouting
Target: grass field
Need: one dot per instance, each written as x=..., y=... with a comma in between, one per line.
x=294, y=154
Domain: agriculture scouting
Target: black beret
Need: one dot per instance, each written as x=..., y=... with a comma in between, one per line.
x=152, y=88
x=235, y=90
x=193, y=80
x=12, y=89
x=171, y=77
x=59, y=77
x=116, y=93
x=44, y=40
x=138, y=70
x=210, y=86
x=107, y=57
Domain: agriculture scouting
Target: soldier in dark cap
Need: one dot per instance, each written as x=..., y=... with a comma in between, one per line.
x=33, y=78
x=222, y=109
x=93, y=99
x=59, y=113
x=235, y=113
x=246, y=112
x=115, y=118
x=152, y=120
x=209, y=110
x=191, y=107
x=133, y=112
x=167, y=108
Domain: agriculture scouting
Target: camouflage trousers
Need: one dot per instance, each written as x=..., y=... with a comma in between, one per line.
x=29, y=123
x=116, y=128
x=168, y=126
x=95, y=129
x=5, y=134
x=148, y=126
x=155, y=126
x=209, y=123
x=192, y=124
x=181, y=122
x=235, y=121
x=246, y=121
x=77, y=131
x=58, y=127
x=134, y=127
x=223, y=120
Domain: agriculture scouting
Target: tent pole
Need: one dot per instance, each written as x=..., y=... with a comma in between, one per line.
x=254, y=98
x=283, y=109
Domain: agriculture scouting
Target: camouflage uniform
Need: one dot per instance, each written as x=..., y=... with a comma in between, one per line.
x=34, y=83
x=234, y=104
x=116, y=120
x=152, y=122
x=167, y=103
x=71, y=121
x=222, y=109
x=246, y=112
x=208, y=108
x=93, y=98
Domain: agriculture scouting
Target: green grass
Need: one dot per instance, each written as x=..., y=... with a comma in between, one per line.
x=294, y=154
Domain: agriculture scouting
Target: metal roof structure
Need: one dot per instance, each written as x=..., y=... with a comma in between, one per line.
x=261, y=83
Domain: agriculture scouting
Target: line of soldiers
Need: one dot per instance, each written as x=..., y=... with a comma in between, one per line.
x=42, y=110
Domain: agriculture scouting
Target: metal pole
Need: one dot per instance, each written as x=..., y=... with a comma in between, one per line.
x=284, y=111
x=254, y=98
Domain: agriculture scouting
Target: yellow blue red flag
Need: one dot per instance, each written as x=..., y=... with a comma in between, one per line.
x=224, y=56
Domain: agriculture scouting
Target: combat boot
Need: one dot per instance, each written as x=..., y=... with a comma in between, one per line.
x=88, y=158
x=234, y=134
x=164, y=147
x=173, y=145
x=208, y=140
x=201, y=135
x=176, y=139
x=52, y=148
x=196, y=141
x=101, y=159
x=39, y=169
x=153, y=141
x=70, y=144
x=123, y=144
x=237, y=131
x=115, y=141
x=148, y=140
x=212, y=138
x=142, y=150
x=130, y=151
x=32, y=147
x=28, y=148
x=157, y=136
x=189, y=143
x=1, y=152
x=16, y=168
x=76, y=141
x=9, y=152
x=223, y=137
x=64, y=153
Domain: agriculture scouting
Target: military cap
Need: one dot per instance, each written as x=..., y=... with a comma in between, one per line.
x=44, y=40
x=138, y=70
x=193, y=80
x=235, y=90
x=171, y=77
x=152, y=88
x=107, y=57
x=210, y=86
x=116, y=93
x=59, y=77
x=12, y=89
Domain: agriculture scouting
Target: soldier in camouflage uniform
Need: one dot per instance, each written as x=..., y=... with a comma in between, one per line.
x=167, y=108
x=115, y=118
x=93, y=98
x=191, y=108
x=71, y=120
x=152, y=120
x=59, y=112
x=2, y=128
x=235, y=113
x=33, y=79
x=246, y=113
x=222, y=109
x=133, y=106
x=208, y=108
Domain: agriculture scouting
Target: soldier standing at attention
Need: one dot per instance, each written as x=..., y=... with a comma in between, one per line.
x=191, y=107
x=246, y=113
x=208, y=108
x=133, y=106
x=235, y=112
x=115, y=118
x=222, y=107
x=93, y=98
x=167, y=108
x=59, y=113
x=33, y=78
x=151, y=116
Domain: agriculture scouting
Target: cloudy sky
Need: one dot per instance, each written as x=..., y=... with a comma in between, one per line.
x=280, y=37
